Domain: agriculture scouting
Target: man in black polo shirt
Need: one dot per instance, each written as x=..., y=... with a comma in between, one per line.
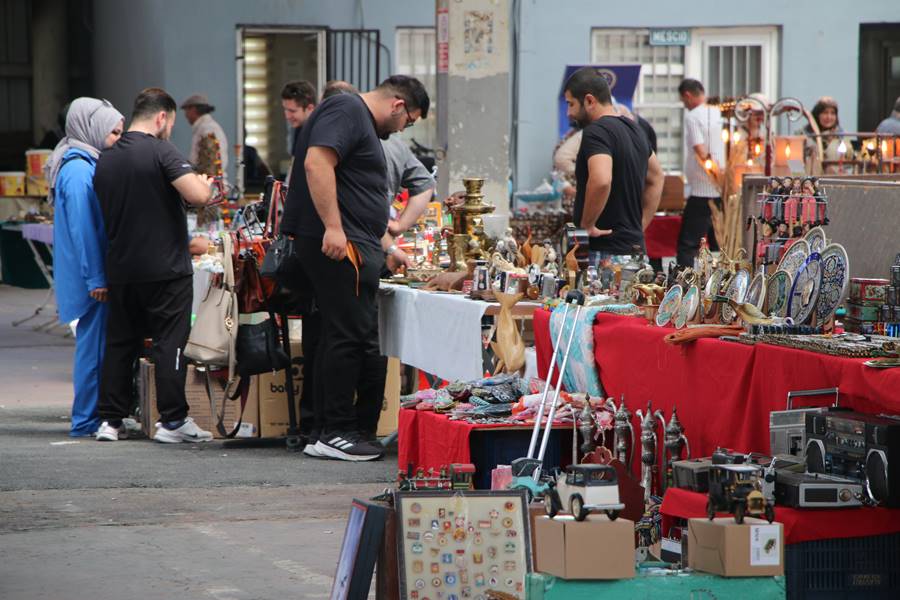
x=336, y=210
x=140, y=183
x=619, y=179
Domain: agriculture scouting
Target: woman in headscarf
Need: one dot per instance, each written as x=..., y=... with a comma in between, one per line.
x=79, y=238
x=825, y=113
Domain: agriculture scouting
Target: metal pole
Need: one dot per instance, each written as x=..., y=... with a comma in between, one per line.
x=540, y=413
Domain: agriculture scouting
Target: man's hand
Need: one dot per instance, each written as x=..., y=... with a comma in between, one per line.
x=593, y=231
x=334, y=243
x=568, y=192
x=99, y=294
x=397, y=260
x=394, y=227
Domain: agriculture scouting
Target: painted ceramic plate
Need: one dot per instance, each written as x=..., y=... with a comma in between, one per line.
x=835, y=279
x=688, y=307
x=737, y=291
x=778, y=289
x=794, y=258
x=756, y=293
x=805, y=291
x=669, y=306
x=815, y=237
x=713, y=284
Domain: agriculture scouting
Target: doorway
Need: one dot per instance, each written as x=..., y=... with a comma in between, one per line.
x=267, y=58
x=879, y=73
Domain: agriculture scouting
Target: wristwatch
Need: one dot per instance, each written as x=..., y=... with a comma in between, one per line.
x=391, y=249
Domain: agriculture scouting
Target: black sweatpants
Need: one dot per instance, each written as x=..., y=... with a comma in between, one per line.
x=348, y=360
x=696, y=223
x=160, y=310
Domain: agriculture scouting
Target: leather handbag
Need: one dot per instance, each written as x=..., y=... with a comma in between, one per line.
x=259, y=349
x=214, y=334
x=248, y=284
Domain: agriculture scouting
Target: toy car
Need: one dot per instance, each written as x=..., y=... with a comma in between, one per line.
x=738, y=489
x=584, y=489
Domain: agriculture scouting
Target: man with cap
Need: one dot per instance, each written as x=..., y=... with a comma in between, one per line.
x=197, y=111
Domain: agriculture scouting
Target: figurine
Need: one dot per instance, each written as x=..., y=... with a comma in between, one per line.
x=624, y=436
x=675, y=441
x=586, y=427
x=649, y=446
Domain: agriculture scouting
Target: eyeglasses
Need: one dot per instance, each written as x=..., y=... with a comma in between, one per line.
x=410, y=121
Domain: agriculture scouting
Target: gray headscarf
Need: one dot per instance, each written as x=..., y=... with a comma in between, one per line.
x=88, y=122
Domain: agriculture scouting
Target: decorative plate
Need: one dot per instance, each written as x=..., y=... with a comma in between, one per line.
x=737, y=291
x=815, y=237
x=669, y=306
x=805, y=291
x=794, y=258
x=835, y=279
x=711, y=290
x=756, y=293
x=778, y=289
x=688, y=307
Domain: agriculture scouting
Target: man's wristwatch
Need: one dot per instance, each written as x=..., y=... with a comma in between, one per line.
x=391, y=249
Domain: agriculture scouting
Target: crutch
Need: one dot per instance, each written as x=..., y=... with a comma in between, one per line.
x=528, y=465
x=577, y=298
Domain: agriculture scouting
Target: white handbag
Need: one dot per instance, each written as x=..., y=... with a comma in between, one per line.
x=214, y=334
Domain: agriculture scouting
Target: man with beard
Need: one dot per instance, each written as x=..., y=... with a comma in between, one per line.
x=336, y=211
x=140, y=183
x=619, y=179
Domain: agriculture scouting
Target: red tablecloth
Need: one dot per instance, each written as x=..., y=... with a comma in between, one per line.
x=661, y=236
x=724, y=391
x=799, y=525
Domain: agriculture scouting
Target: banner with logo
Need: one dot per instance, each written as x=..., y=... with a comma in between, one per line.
x=622, y=80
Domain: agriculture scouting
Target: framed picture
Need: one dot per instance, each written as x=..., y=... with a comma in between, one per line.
x=359, y=550
x=456, y=545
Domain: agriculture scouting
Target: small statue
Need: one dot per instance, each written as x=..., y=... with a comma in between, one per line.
x=675, y=441
x=586, y=427
x=649, y=446
x=624, y=436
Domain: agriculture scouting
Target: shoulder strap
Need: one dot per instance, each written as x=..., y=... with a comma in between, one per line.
x=243, y=390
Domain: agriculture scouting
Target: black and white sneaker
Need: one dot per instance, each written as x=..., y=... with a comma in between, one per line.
x=347, y=446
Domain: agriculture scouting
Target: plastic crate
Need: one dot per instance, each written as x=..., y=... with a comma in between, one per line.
x=845, y=568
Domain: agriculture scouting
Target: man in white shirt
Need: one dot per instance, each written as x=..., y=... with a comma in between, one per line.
x=197, y=111
x=704, y=159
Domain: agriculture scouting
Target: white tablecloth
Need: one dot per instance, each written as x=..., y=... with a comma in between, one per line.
x=436, y=332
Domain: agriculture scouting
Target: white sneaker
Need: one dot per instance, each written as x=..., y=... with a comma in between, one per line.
x=130, y=425
x=188, y=432
x=311, y=450
x=108, y=433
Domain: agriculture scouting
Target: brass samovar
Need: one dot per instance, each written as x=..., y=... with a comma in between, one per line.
x=469, y=241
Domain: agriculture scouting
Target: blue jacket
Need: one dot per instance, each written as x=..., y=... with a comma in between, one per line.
x=79, y=236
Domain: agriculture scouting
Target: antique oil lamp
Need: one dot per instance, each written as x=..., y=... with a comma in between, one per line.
x=469, y=241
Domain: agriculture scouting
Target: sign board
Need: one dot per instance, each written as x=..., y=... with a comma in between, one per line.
x=443, y=40
x=670, y=37
x=622, y=79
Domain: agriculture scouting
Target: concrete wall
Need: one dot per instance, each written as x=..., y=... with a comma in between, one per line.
x=819, y=52
x=189, y=46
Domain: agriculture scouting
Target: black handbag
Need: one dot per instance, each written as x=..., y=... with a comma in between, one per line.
x=259, y=349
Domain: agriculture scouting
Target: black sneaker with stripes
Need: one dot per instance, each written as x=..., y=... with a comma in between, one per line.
x=348, y=446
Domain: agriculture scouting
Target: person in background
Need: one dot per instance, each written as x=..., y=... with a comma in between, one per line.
x=825, y=112
x=80, y=246
x=298, y=99
x=198, y=112
x=619, y=179
x=142, y=183
x=337, y=211
x=704, y=159
x=891, y=124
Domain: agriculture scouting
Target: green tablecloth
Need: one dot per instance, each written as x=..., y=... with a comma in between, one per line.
x=695, y=586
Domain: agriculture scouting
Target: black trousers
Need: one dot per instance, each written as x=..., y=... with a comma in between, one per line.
x=312, y=395
x=160, y=310
x=696, y=223
x=348, y=361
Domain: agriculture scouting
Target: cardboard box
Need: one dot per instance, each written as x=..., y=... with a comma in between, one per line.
x=595, y=548
x=273, y=407
x=722, y=547
x=389, y=421
x=198, y=403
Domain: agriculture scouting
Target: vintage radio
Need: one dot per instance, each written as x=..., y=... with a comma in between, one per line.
x=857, y=446
x=816, y=490
x=787, y=428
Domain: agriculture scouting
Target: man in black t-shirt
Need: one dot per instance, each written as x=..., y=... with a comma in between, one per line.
x=619, y=179
x=337, y=211
x=140, y=183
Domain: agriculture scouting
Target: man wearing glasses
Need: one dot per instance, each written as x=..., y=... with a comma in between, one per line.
x=337, y=212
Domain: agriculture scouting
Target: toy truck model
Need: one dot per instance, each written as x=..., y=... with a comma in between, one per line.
x=738, y=489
